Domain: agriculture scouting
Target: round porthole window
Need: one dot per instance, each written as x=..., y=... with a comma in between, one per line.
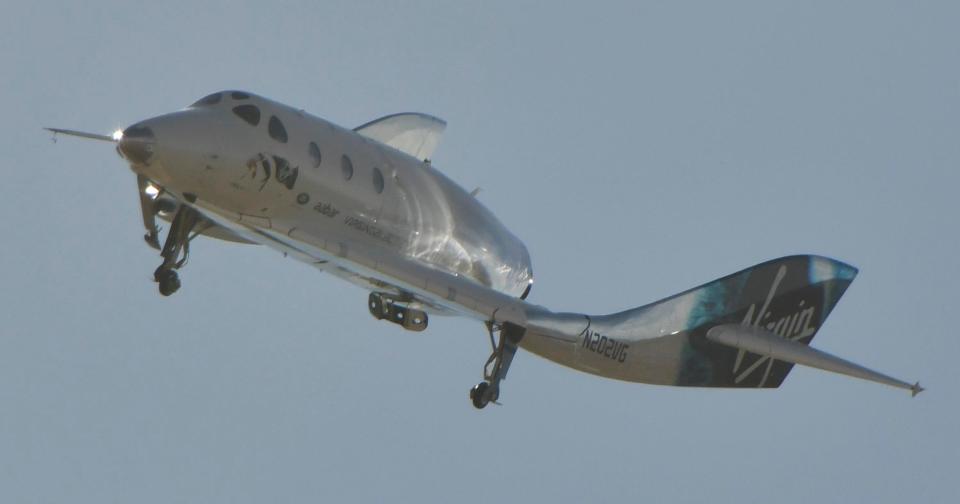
x=315, y=154
x=346, y=167
x=377, y=180
x=276, y=130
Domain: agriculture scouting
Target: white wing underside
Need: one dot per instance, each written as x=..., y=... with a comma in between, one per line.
x=413, y=133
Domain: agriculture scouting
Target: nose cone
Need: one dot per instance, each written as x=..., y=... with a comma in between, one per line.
x=137, y=144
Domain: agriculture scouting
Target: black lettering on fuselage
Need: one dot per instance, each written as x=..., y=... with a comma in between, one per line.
x=605, y=346
x=326, y=209
x=372, y=231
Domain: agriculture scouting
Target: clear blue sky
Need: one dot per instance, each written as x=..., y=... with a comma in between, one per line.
x=638, y=149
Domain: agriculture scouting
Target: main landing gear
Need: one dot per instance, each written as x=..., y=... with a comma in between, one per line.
x=495, y=370
x=177, y=242
x=385, y=307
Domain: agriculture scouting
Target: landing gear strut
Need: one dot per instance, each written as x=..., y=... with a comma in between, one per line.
x=177, y=242
x=495, y=370
x=148, y=212
x=385, y=307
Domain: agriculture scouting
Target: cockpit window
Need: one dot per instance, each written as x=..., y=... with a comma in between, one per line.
x=276, y=130
x=315, y=154
x=249, y=113
x=137, y=131
x=212, y=99
x=239, y=95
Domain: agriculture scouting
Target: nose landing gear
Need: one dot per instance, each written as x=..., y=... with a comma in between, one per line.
x=495, y=370
x=177, y=242
x=148, y=212
x=168, y=279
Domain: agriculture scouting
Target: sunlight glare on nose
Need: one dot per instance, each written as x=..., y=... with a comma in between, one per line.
x=117, y=135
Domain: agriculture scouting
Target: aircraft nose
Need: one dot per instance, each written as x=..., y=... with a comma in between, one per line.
x=137, y=144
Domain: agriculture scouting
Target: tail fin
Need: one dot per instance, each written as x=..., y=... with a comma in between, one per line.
x=790, y=297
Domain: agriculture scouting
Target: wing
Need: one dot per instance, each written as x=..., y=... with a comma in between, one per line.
x=413, y=133
x=743, y=330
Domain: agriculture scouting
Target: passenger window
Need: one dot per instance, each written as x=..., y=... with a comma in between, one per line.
x=315, y=154
x=346, y=166
x=249, y=113
x=377, y=180
x=276, y=130
x=208, y=100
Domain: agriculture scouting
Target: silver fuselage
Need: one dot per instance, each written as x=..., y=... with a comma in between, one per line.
x=358, y=193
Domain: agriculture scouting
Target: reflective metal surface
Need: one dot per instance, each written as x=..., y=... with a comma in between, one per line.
x=391, y=199
x=379, y=216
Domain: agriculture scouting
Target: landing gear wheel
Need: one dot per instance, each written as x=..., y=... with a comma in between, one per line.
x=376, y=306
x=481, y=394
x=495, y=370
x=169, y=281
x=176, y=244
x=412, y=320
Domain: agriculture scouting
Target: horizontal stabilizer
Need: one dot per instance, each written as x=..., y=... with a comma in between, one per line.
x=760, y=341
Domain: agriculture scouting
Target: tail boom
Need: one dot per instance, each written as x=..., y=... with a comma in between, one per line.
x=745, y=330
